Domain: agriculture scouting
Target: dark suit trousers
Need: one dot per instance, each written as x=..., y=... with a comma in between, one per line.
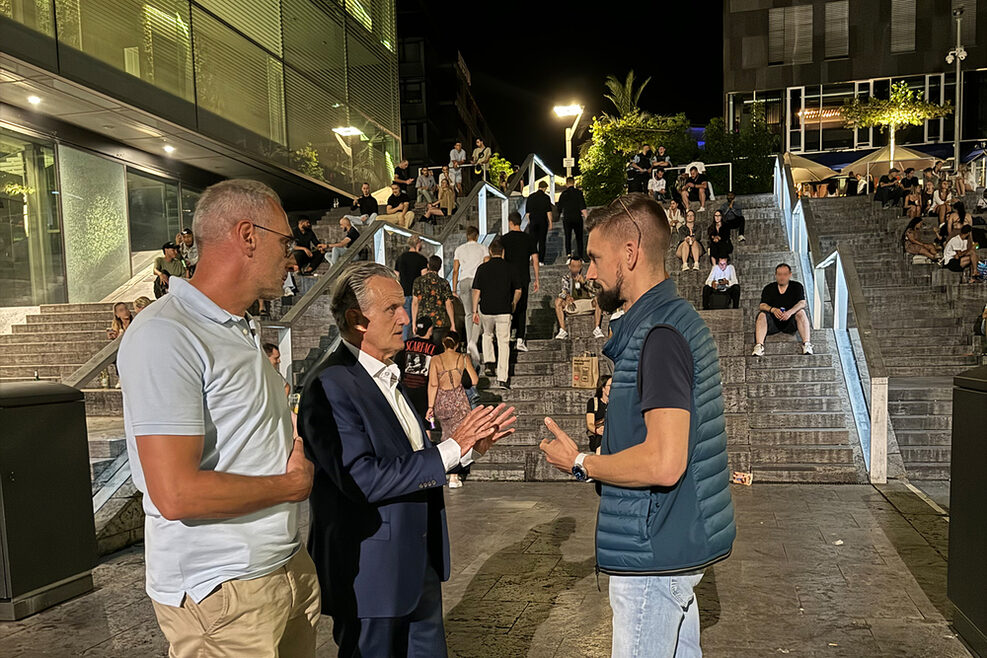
x=539, y=231
x=571, y=227
x=418, y=635
x=519, y=320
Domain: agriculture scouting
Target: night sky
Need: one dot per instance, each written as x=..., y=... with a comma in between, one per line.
x=574, y=46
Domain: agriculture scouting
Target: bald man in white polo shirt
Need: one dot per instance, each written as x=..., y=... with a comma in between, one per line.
x=211, y=445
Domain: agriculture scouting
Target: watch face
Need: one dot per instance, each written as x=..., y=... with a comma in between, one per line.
x=580, y=473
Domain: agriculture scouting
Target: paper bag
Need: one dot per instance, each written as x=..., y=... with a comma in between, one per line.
x=585, y=370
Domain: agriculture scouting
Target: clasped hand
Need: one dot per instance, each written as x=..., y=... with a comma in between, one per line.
x=483, y=427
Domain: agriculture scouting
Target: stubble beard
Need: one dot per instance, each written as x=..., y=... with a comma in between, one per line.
x=612, y=299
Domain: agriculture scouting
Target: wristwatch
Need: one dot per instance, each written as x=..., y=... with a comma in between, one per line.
x=578, y=470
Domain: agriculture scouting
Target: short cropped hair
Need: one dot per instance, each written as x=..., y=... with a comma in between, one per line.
x=472, y=233
x=514, y=218
x=413, y=241
x=633, y=217
x=543, y=185
x=496, y=247
x=781, y=265
x=269, y=348
x=434, y=263
x=224, y=204
x=351, y=289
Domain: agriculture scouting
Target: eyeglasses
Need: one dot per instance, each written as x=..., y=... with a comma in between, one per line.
x=288, y=242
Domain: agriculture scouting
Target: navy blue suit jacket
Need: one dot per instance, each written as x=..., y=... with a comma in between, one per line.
x=378, y=513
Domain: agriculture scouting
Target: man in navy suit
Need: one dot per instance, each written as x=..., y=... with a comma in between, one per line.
x=378, y=528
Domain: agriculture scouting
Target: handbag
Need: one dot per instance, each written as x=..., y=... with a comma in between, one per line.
x=585, y=370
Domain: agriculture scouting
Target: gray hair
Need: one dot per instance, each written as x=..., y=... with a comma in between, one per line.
x=224, y=204
x=351, y=289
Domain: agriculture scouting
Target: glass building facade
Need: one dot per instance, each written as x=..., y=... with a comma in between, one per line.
x=268, y=80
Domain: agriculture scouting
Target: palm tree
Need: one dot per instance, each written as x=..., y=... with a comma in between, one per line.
x=623, y=95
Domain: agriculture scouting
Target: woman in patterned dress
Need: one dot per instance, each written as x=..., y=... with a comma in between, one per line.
x=447, y=401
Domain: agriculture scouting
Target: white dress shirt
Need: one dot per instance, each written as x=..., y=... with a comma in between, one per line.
x=718, y=273
x=387, y=376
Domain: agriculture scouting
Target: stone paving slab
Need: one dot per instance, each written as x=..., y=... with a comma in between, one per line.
x=817, y=570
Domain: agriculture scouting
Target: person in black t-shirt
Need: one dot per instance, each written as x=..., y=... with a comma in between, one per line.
x=782, y=309
x=572, y=207
x=415, y=361
x=695, y=189
x=889, y=188
x=398, y=208
x=538, y=208
x=519, y=249
x=402, y=176
x=366, y=205
x=409, y=266
x=309, y=251
x=350, y=234
x=497, y=289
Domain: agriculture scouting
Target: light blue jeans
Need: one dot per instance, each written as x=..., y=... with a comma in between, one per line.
x=655, y=616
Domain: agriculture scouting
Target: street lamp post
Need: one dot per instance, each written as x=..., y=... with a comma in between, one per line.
x=958, y=54
x=573, y=110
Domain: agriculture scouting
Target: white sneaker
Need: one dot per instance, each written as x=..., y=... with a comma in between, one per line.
x=455, y=482
x=758, y=350
x=807, y=348
x=695, y=266
x=685, y=267
x=520, y=346
x=742, y=239
x=562, y=335
x=598, y=333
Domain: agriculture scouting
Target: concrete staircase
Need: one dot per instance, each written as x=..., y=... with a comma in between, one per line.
x=786, y=413
x=922, y=316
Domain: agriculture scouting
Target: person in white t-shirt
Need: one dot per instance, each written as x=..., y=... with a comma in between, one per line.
x=457, y=160
x=960, y=252
x=722, y=279
x=657, y=185
x=466, y=259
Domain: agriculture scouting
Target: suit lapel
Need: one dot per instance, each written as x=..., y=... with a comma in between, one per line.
x=374, y=398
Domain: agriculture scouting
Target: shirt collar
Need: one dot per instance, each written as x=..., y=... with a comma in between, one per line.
x=197, y=301
x=388, y=373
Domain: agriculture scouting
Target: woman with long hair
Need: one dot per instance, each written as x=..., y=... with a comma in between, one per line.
x=447, y=401
x=911, y=241
x=913, y=202
x=596, y=413
x=121, y=320
x=941, y=200
x=690, y=243
x=720, y=245
x=674, y=214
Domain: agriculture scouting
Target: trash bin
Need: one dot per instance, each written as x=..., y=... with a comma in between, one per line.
x=967, y=576
x=47, y=535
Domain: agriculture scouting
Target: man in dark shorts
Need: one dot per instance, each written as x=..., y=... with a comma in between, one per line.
x=415, y=361
x=782, y=310
x=695, y=189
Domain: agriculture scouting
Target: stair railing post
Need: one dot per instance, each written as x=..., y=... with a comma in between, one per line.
x=481, y=210
x=379, y=256
x=531, y=177
x=840, y=298
x=504, y=213
x=879, y=430
x=819, y=284
x=284, y=347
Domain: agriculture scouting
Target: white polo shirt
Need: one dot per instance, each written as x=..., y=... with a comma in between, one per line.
x=470, y=256
x=188, y=367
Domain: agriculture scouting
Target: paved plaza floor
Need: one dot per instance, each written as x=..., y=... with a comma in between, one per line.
x=816, y=571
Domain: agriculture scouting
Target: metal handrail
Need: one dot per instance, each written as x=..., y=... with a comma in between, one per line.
x=868, y=391
x=373, y=237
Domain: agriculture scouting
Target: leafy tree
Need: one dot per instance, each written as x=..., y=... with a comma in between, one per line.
x=498, y=165
x=751, y=151
x=625, y=95
x=602, y=166
x=904, y=107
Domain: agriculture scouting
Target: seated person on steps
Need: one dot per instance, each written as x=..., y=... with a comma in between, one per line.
x=576, y=298
x=782, y=310
x=722, y=279
x=398, y=208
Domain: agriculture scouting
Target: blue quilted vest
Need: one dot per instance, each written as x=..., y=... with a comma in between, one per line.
x=666, y=530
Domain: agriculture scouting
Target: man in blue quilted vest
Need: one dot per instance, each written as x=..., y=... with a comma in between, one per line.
x=665, y=508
